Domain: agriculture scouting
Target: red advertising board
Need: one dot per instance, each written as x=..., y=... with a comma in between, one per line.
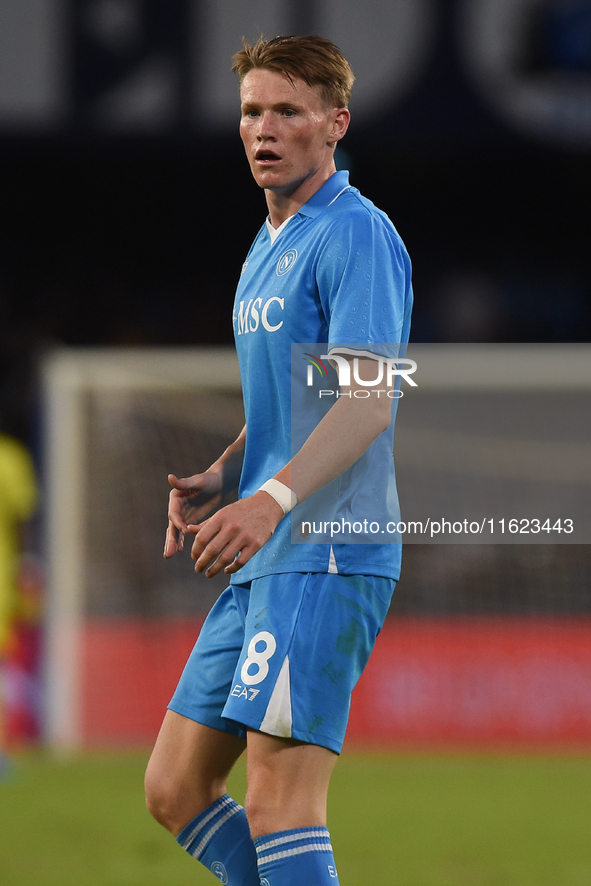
x=485, y=680
x=438, y=681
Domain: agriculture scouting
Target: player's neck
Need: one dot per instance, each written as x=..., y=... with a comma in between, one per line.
x=282, y=204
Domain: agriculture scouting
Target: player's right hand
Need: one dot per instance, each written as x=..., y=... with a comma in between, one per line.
x=191, y=500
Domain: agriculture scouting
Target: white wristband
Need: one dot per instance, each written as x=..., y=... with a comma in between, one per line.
x=283, y=495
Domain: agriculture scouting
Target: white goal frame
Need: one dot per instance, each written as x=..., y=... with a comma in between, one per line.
x=67, y=376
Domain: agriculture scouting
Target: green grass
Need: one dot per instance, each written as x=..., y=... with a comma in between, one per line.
x=399, y=820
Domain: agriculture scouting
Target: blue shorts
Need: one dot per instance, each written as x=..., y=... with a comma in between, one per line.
x=281, y=655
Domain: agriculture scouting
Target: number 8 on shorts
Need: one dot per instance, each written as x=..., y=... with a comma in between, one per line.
x=258, y=658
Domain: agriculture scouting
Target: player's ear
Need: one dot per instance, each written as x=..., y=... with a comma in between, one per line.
x=340, y=123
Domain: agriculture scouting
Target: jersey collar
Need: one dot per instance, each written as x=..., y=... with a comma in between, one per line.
x=325, y=195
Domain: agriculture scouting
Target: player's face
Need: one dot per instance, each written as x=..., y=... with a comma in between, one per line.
x=288, y=132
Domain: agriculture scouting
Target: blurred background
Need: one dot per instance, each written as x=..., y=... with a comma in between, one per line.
x=128, y=203
x=128, y=210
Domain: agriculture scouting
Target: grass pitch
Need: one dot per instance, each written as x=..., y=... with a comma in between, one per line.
x=395, y=820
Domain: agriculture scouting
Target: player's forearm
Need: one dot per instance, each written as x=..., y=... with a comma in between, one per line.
x=336, y=443
x=229, y=465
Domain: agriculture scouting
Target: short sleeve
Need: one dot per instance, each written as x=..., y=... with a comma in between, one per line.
x=363, y=276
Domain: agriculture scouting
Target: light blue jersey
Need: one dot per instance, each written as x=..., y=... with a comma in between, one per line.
x=336, y=273
x=284, y=645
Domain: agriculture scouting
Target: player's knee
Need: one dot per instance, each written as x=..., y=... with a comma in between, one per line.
x=274, y=802
x=266, y=811
x=159, y=800
x=259, y=812
x=173, y=802
x=168, y=803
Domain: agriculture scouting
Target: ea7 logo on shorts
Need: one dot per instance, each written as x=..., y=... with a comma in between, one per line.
x=286, y=262
x=239, y=691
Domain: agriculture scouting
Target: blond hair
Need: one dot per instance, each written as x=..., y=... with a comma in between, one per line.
x=316, y=61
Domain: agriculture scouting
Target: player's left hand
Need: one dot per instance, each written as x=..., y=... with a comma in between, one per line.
x=229, y=538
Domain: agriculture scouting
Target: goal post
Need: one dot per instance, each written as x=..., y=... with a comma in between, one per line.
x=72, y=381
x=505, y=426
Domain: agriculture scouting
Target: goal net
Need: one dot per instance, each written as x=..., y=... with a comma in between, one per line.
x=504, y=430
x=117, y=422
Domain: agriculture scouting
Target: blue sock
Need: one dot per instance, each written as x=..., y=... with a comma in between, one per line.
x=220, y=839
x=302, y=857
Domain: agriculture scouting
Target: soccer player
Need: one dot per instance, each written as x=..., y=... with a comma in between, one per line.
x=279, y=653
